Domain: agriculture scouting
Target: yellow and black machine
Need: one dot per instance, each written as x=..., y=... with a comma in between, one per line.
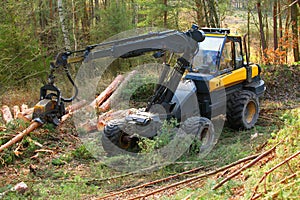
x=211, y=76
x=220, y=64
x=217, y=80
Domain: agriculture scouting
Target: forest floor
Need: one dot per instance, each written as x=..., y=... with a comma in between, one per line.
x=55, y=164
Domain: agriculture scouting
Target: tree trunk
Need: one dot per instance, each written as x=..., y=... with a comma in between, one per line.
x=92, y=13
x=267, y=30
x=199, y=12
x=280, y=23
x=20, y=135
x=51, y=10
x=107, y=92
x=63, y=25
x=205, y=13
x=286, y=32
x=248, y=31
x=43, y=20
x=74, y=24
x=275, y=38
x=215, y=14
x=261, y=29
x=294, y=21
x=165, y=13
x=212, y=21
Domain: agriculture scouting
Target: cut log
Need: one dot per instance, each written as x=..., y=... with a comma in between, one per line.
x=110, y=115
x=72, y=108
x=27, y=111
x=16, y=110
x=107, y=92
x=20, y=135
x=65, y=117
x=6, y=114
x=24, y=107
x=76, y=106
x=26, y=118
x=114, y=97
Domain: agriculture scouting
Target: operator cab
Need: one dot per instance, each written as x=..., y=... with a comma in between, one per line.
x=219, y=53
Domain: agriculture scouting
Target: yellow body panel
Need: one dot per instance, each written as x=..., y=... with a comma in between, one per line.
x=222, y=35
x=231, y=78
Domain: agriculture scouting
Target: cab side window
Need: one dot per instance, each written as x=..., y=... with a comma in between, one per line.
x=238, y=55
x=227, y=61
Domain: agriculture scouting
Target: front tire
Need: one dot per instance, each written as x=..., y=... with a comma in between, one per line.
x=115, y=141
x=203, y=130
x=242, y=110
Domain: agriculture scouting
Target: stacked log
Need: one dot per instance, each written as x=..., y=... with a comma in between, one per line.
x=6, y=114
x=107, y=92
x=102, y=103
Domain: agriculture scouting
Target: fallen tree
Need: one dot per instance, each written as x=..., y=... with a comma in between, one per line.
x=20, y=135
x=107, y=92
x=114, y=97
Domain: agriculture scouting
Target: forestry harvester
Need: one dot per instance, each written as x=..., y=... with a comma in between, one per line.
x=211, y=60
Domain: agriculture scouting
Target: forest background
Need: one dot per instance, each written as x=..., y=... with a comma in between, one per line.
x=33, y=32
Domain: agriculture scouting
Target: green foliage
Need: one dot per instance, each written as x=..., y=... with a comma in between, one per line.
x=289, y=137
x=115, y=18
x=162, y=139
x=57, y=161
x=62, y=159
x=21, y=57
x=7, y=157
x=151, y=13
x=82, y=153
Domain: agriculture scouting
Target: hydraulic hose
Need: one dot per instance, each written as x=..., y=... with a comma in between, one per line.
x=74, y=85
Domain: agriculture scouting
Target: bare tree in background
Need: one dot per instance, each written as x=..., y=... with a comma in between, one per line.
x=63, y=25
x=261, y=28
x=294, y=21
x=275, y=38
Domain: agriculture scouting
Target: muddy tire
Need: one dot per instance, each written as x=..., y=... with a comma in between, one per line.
x=242, y=110
x=203, y=130
x=114, y=139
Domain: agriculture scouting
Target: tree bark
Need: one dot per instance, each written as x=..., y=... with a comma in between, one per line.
x=16, y=111
x=63, y=25
x=261, y=29
x=51, y=10
x=107, y=92
x=198, y=12
x=74, y=24
x=6, y=114
x=294, y=21
x=275, y=37
x=248, y=31
x=112, y=100
x=165, y=13
x=212, y=22
x=205, y=13
x=19, y=137
x=286, y=32
x=280, y=23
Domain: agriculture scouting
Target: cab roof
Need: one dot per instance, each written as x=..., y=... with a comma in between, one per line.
x=219, y=32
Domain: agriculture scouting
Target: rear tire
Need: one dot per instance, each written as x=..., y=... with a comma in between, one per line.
x=242, y=110
x=203, y=130
x=113, y=139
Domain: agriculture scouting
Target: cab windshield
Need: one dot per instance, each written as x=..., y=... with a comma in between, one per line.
x=206, y=59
